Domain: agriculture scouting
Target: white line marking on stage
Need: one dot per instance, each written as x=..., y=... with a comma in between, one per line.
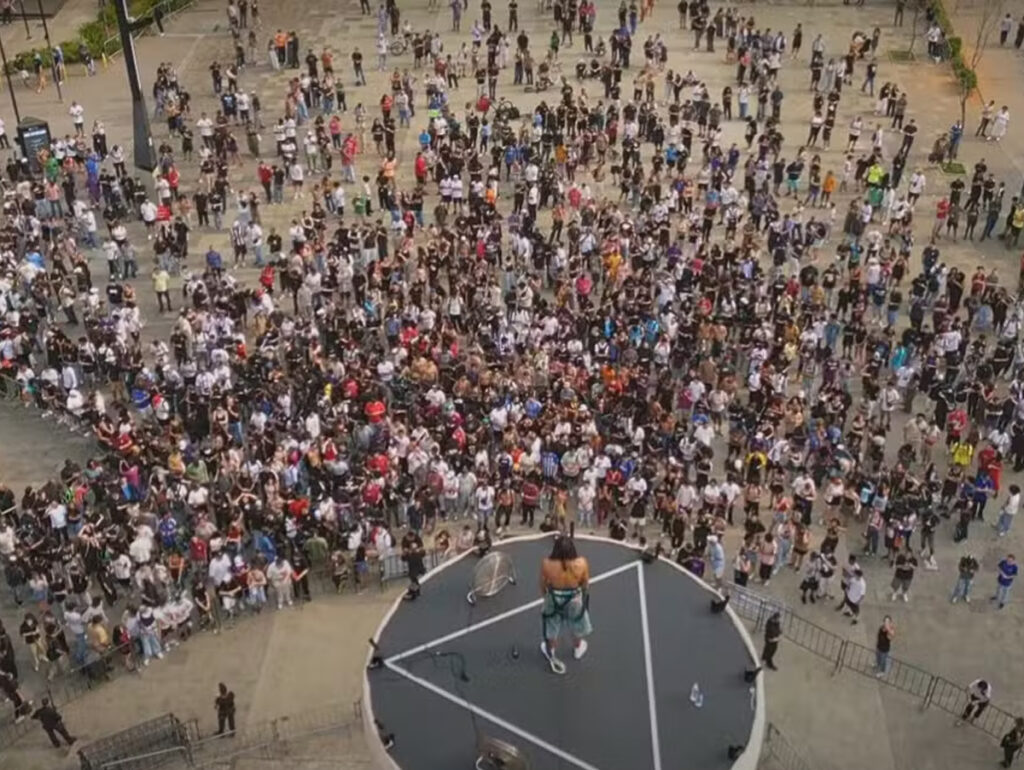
x=500, y=617
x=649, y=667
x=539, y=742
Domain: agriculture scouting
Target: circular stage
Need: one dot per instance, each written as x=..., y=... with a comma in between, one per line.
x=452, y=672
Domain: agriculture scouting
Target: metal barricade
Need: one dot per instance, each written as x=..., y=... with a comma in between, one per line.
x=930, y=689
x=146, y=745
x=779, y=753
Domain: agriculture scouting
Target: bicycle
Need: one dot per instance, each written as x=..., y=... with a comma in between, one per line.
x=398, y=45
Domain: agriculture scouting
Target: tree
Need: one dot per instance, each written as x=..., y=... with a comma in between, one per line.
x=966, y=71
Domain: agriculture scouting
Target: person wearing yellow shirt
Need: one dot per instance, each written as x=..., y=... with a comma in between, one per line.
x=611, y=265
x=162, y=286
x=962, y=453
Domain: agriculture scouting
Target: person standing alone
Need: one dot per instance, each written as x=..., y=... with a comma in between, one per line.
x=883, y=646
x=53, y=723
x=225, y=704
x=1007, y=572
x=772, y=634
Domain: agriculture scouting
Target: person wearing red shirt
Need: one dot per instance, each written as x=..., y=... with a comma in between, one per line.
x=941, y=212
x=420, y=168
x=334, y=128
x=375, y=411
x=955, y=424
x=266, y=176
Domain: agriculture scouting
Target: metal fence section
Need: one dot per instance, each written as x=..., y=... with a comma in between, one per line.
x=929, y=689
x=149, y=744
x=271, y=739
x=778, y=753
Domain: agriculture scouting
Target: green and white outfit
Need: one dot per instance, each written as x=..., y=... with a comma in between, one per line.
x=567, y=606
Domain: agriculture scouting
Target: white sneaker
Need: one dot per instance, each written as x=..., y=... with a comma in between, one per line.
x=580, y=649
x=906, y=597
x=967, y=599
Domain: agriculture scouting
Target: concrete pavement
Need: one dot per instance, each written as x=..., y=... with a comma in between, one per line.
x=281, y=663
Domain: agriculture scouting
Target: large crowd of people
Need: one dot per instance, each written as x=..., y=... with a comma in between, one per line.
x=598, y=309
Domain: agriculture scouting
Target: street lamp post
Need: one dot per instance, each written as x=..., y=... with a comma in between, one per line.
x=24, y=18
x=10, y=85
x=46, y=35
x=145, y=156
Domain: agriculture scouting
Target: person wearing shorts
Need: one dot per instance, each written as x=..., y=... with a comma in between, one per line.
x=565, y=578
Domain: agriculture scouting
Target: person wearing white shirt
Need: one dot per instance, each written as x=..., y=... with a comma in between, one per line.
x=141, y=549
x=484, y=503
x=1008, y=511
x=585, y=497
x=77, y=113
x=297, y=176
x=856, y=588
x=220, y=569
x=704, y=433
x=58, y=515
x=280, y=575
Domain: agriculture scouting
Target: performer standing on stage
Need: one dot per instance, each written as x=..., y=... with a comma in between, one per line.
x=564, y=580
x=413, y=554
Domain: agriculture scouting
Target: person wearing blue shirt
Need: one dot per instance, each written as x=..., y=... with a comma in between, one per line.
x=1004, y=581
x=214, y=261
x=956, y=133
x=984, y=487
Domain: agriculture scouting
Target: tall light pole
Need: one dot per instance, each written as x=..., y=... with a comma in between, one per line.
x=145, y=155
x=10, y=85
x=24, y=18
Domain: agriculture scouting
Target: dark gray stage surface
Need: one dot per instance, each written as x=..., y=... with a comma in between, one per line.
x=597, y=716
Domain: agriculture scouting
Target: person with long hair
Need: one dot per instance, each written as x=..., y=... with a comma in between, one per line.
x=564, y=584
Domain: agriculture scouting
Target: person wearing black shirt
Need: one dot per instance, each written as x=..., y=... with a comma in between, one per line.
x=225, y=705
x=513, y=16
x=357, y=67
x=883, y=646
x=300, y=576
x=53, y=723
x=413, y=554
x=772, y=635
x=200, y=200
x=217, y=208
x=909, y=132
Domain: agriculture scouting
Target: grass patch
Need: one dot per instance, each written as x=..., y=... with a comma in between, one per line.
x=953, y=167
x=902, y=56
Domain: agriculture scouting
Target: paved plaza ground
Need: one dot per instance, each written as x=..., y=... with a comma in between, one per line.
x=283, y=662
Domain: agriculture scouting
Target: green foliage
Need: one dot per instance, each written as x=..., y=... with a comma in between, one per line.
x=100, y=37
x=966, y=78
